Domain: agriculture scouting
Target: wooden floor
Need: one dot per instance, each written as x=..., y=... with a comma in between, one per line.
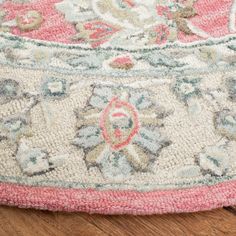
x=27, y=222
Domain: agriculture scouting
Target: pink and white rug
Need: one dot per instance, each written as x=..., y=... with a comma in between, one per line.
x=118, y=106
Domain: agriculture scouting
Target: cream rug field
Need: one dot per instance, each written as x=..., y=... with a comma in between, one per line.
x=118, y=106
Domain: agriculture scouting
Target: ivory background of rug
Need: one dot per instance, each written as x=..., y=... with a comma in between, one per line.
x=188, y=135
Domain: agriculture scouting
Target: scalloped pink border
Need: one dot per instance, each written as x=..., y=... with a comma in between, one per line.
x=212, y=17
x=119, y=202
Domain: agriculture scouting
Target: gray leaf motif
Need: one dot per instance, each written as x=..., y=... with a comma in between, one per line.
x=225, y=123
x=157, y=59
x=186, y=88
x=115, y=166
x=231, y=86
x=12, y=128
x=85, y=61
x=151, y=140
x=9, y=90
x=88, y=137
x=33, y=161
x=215, y=160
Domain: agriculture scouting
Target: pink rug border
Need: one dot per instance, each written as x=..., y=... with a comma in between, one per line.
x=119, y=202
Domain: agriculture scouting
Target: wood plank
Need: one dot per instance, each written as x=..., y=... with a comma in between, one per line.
x=217, y=222
x=30, y=222
x=231, y=209
x=24, y=222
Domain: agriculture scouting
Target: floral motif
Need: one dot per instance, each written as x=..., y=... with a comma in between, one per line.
x=9, y=89
x=215, y=160
x=84, y=61
x=88, y=28
x=95, y=32
x=122, y=62
x=208, y=55
x=25, y=21
x=231, y=86
x=186, y=88
x=225, y=123
x=179, y=17
x=161, y=34
x=164, y=11
x=29, y=20
x=118, y=130
x=33, y=161
x=116, y=166
x=14, y=127
x=76, y=11
x=147, y=21
x=151, y=62
x=54, y=88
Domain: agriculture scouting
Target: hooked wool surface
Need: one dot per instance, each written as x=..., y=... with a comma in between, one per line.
x=118, y=106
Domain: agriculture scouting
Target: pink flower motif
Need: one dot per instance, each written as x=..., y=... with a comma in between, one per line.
x=122, y=62
x=162, y=33
x=99, y=32
x=116, y=112
x=164, y=11
x=29, y=20
x=53, y=28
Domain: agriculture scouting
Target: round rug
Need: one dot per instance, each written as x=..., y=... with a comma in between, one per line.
x=118, y=106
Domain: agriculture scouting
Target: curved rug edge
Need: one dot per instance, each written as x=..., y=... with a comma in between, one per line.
x=126, y=202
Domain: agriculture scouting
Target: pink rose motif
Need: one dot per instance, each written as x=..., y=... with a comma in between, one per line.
x=98, y=32
x=162, y=33
x=164, y=11
x=123, y=62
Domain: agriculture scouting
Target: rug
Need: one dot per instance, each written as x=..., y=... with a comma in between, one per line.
x=118, y=106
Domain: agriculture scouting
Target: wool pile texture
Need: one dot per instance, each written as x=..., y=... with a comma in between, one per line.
x=118, y=106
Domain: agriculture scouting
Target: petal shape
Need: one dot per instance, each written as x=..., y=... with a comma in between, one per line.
x=214, y=160
x=92, y=157
x=32, y=160
x=14, y=126
x=114, y=165
x=140, y=99
x=98, y=101
x=137, y=157
x=54, y=88
x=104, y=91
x=9, y=89
x=88, y=137
x=151, y=140
x=87, y=117
x=225, y=123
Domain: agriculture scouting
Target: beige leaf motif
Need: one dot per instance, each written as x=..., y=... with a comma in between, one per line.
x=187, y=12
x=182, y=26
x=180, y=19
